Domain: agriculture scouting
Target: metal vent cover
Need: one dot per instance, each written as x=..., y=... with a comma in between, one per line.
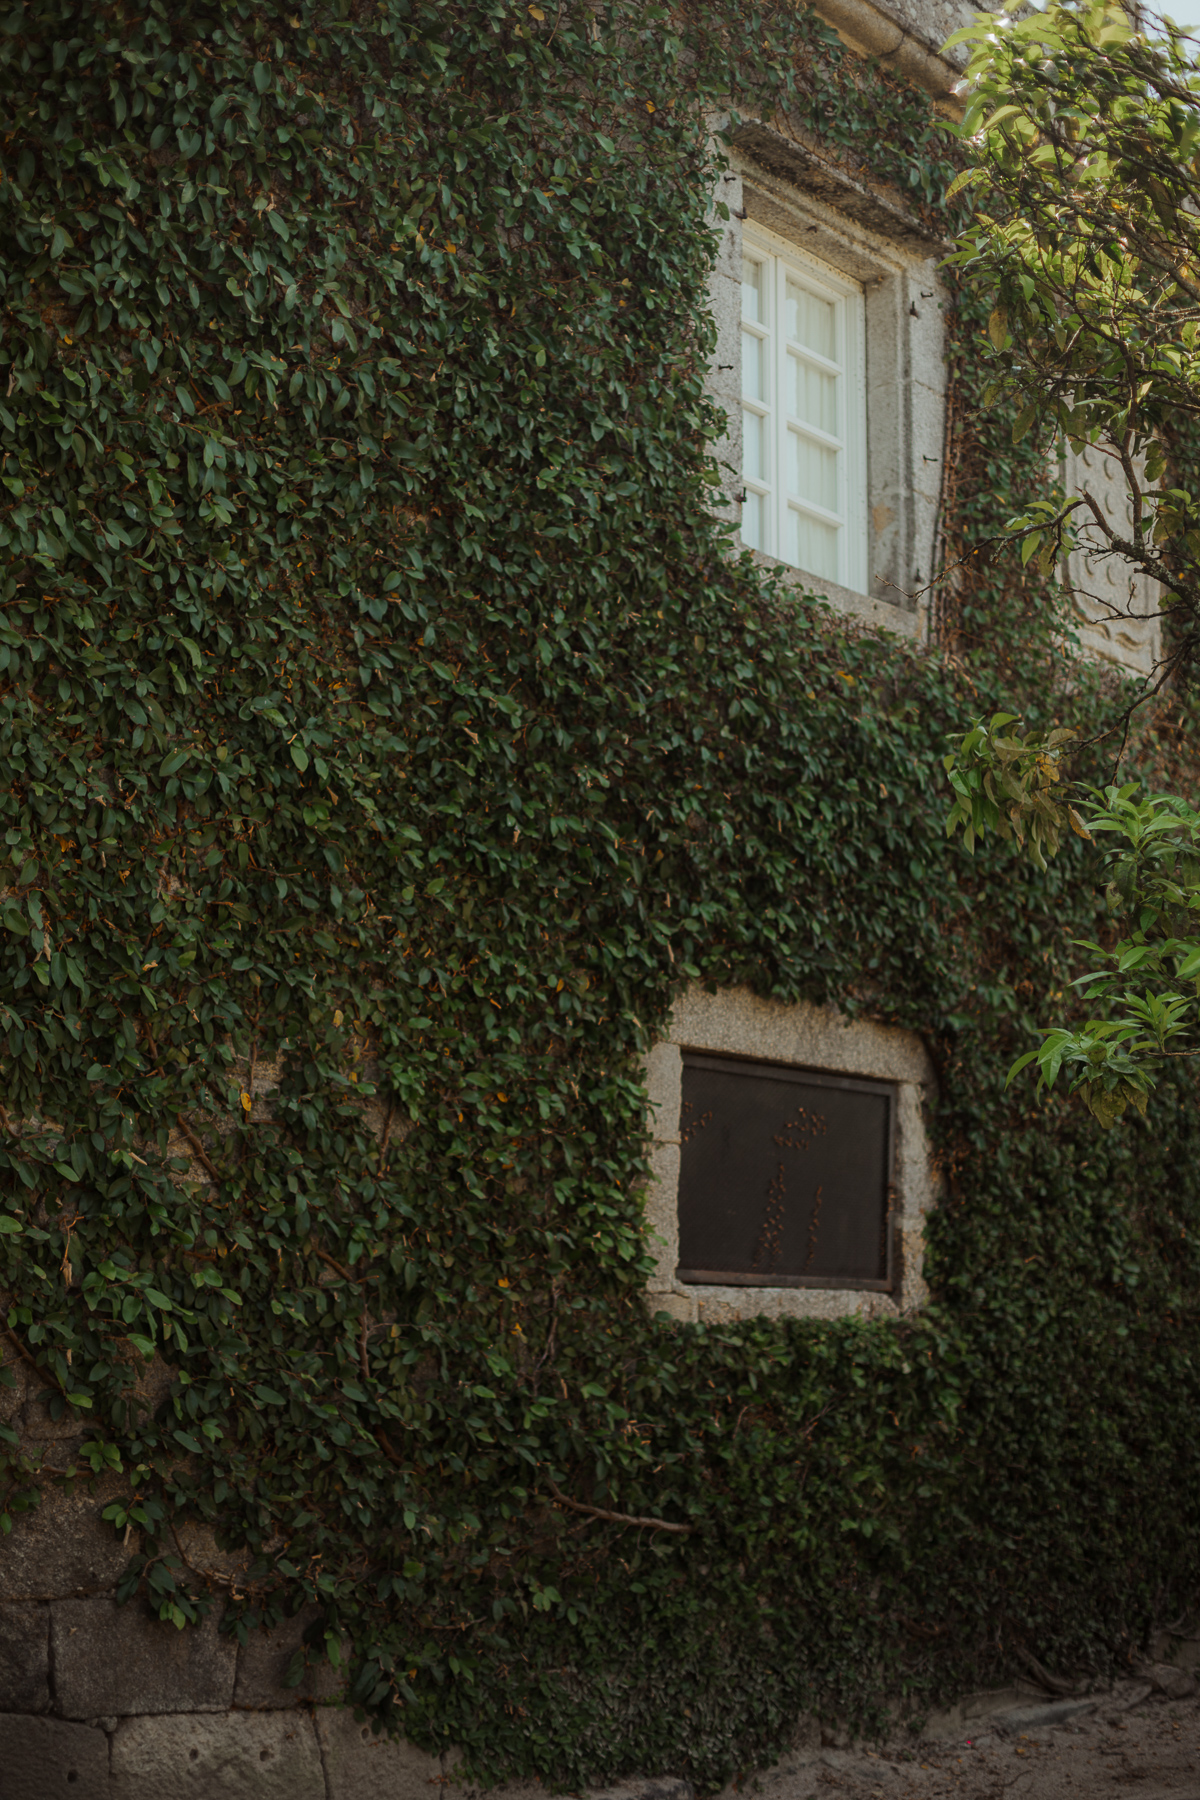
x=785, y=1176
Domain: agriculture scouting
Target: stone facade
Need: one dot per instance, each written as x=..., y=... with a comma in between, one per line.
x=104, y=1702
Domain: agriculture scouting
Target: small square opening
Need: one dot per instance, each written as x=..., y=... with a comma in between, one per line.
x=785, y=1176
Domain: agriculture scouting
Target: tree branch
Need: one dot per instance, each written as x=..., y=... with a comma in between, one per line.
x=198, y=1147
x=617, y=1518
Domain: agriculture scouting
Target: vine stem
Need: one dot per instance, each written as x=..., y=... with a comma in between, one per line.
x=32, y=1361
x=381, y=1438
x=387, y=1134
x=617, y=1518
x=198, y=1147
x=356, y=1280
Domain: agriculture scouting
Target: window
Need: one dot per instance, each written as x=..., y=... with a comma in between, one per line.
x=785, y=1176
x=803, y=412
x=829, y=368
x=790, y=1170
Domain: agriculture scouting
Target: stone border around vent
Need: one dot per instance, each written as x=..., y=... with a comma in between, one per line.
x=738, y=1022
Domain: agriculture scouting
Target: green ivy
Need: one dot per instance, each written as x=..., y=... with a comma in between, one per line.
x=388, y=730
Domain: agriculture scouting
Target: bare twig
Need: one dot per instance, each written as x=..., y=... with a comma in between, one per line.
x=32, y=1361
x=387, y=1132
x=1053, y=1683
x=381, y=1438
x=198, y=1147
x=617, y=1518
x=345, y=1274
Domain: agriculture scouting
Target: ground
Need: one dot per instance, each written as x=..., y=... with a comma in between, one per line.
x=1132, y=1743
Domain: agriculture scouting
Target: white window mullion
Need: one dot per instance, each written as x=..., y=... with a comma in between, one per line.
x=759, y=404
x=780, y=518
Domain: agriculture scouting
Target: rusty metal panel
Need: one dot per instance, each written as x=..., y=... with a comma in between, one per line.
x=785, y=1176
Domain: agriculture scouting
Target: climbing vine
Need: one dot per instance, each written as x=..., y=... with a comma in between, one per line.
x=387, y=730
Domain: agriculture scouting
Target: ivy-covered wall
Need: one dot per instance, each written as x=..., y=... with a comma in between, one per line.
x=387, y=731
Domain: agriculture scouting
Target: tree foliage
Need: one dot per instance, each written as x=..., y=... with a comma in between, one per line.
x=1084, y=138
x=1147, y=984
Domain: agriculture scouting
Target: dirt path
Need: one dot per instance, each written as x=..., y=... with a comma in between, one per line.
x=1132, y=1744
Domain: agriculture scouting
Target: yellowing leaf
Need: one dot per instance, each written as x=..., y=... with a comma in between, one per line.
x=535, y=12
x=247, y=1102
x=998, y=327
x=650, y=106
x=338, y=1016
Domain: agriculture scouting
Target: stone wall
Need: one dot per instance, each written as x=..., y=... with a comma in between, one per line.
x=106, y=1702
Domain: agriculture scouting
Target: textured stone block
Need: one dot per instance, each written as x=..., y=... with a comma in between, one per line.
x=1173, y=1683
x=663, y=1074
x=361, y=1766
x=263, y=1662
x=739, y=1022
x=927, y=325
x=12, y=1399
x=680, y=1307
x=662, y=1215
x=231, y=1756
x=47, y=1759
x=728, y=260
x=62, y=1547
x=111, y=1659
x=24, y=1659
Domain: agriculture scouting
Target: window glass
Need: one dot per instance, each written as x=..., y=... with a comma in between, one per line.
x=811, y=545
x=813, y=394
x=810, y=320
x=803, y=416
x=753, y=522
x=754, y=447
x=753, y=366
x=813, y=472
x=751, y=288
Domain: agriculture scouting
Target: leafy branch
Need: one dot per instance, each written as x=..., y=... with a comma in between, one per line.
x=1145, y=986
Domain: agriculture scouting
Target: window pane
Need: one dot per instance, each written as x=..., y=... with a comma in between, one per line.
x=813, y=474
x=752, y=290
x=754, y=521
x=754, y=458
x=812, y=395
x=754, y=361
x=810, y=320
x=813, y=546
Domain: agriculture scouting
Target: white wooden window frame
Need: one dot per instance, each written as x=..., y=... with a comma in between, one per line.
x=781, y=260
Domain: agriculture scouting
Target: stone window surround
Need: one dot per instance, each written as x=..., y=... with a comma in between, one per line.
x=782, y=186
x=735, y=1021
